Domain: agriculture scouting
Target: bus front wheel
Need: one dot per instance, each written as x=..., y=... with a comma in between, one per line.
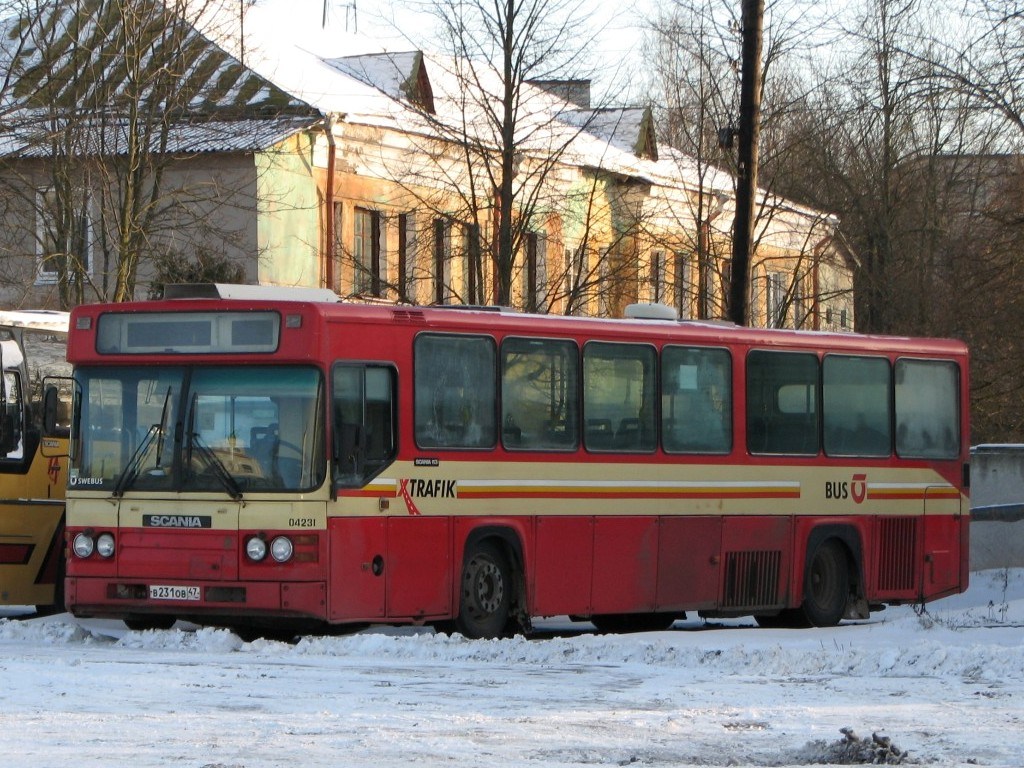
x=486, y=592
x=826, y=585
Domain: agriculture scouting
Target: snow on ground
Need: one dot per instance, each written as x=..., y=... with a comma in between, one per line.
x=946, y=686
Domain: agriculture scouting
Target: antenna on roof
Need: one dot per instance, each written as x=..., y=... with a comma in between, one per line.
x=243, y=6
x=350, y=13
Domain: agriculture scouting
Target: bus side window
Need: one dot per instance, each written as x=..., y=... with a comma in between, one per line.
x=696, y=400
x=364, y=422
x=856, y=405
x=619, y=386
x=782, y=403
x=455, y=391
x=11, y=416
x=927, y=409
x=539, y=394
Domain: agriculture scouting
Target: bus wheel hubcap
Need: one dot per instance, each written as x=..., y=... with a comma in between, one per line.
x=489, y=587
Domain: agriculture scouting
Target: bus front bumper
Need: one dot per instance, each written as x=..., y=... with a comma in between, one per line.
x=97, y=597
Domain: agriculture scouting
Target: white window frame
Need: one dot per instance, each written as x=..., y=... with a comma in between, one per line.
x=44, y=276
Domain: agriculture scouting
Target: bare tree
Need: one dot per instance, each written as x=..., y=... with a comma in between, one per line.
x=515, y=103
x=696, y=81
x=106, y=96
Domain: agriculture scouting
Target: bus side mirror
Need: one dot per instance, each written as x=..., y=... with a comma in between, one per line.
x=51, y=406
x=8, y=434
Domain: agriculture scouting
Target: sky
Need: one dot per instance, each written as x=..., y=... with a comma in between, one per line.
x=946, y=686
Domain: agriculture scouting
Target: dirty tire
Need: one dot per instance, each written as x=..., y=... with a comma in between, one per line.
x=485, y=592
x=826, y=585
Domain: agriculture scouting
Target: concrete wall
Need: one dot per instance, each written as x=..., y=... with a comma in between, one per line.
x=997, y=506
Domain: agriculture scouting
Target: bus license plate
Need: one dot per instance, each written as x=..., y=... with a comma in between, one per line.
x=158, y=592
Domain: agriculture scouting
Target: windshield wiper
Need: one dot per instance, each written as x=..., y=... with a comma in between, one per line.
x=131, y=469
x=156, y=432
x=211, y=459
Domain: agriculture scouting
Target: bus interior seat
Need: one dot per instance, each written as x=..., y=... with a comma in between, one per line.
x=263, y=445
x=511, y=433
x=628, y=433
x=599, y=434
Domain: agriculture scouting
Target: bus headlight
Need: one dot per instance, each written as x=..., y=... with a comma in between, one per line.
x=105, y=545
x=83, y=545
x=256, y=549
x=281, y=549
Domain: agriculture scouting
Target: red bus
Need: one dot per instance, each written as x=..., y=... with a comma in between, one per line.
x=280, y=459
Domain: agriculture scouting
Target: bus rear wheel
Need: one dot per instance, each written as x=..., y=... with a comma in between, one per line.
x=485, y=593
x=826, y=585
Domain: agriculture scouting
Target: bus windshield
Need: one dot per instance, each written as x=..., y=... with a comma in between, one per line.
x=223, y=429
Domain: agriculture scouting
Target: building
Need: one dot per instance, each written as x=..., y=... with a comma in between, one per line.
x=130, y=153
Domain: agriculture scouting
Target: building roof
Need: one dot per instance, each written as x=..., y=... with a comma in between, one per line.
x=70, y=59
x=247, y=87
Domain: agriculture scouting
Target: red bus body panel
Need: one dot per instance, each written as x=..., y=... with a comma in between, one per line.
x=728, y=548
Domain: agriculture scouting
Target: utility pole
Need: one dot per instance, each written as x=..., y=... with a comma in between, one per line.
x=746, y=173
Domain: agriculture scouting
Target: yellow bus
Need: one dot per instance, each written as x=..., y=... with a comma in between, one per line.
x=33, y=470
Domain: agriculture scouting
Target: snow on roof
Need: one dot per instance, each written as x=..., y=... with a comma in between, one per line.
x=279, y=74
x=624, y=127
x=389, y=72
x=52, y=321
x=29, y=139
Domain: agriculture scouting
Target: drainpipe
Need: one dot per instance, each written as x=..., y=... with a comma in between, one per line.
x=329, y=202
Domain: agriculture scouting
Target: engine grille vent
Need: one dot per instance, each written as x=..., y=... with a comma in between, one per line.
x=752, y=579
x=897, y=548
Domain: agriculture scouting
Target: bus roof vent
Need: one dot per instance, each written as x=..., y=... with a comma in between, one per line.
x=645, y=311
x=414, y=316
x=248, y=292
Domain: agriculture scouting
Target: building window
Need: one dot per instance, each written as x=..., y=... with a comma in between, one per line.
x=657, y=276
x=535, y=272
x=604, y=271
x=472, y=266
x=776, y=300
x=575, y=266
x=799, y=305
x=366, y=252
x=442, y=261
x=684, y=285
x=407, y=257
x=63, y=239
x=337, y=250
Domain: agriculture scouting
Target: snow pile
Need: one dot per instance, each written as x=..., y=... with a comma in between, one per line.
x=946, y=685
x=899, y=642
